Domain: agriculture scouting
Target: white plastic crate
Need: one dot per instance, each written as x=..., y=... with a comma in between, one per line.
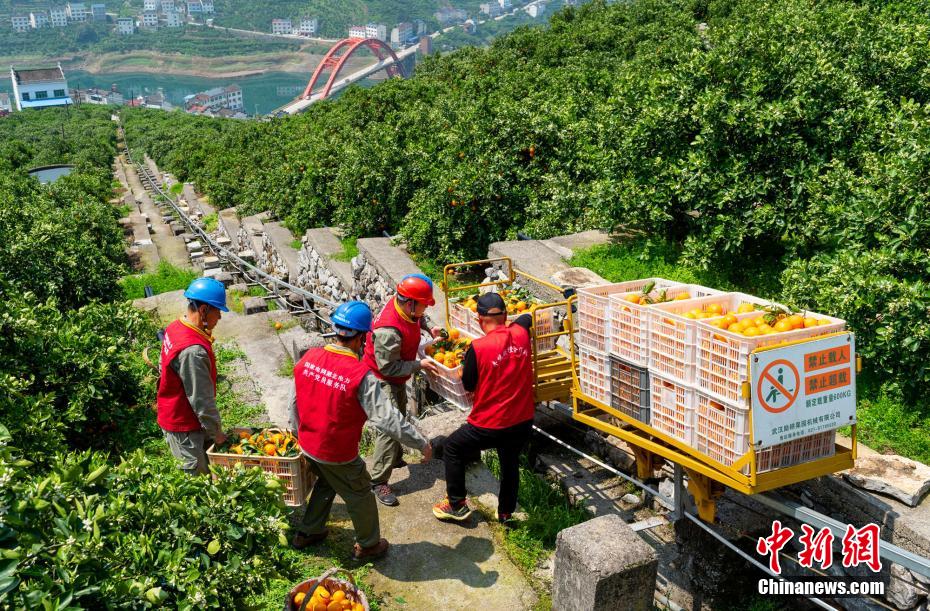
x=722, y=357
x=594, y=310
x=594, y=374
x=629, y=389
x=672, y=408
x=796, y=452
x=629, y=323
x=722, y=429
x=448, y=382
x=673, y=336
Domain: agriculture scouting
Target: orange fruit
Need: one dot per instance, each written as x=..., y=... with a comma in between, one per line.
x=453, y=333
x=758, y=320
x=278, y=326
x=714, y=308
x=683, y=296
x=782, y=325
x=270, y=449
x=752, y=332
x=745, y=307
x=244, y=435
x=358, y=607
x=729, y=319
x=737, y=327
x=689, y=315
x=299, y=598
x=810, y=322
x=634, y=298
x=765, y=328
x=796, y=321
x=334, y=605
x=320, y=606
x=338, y=595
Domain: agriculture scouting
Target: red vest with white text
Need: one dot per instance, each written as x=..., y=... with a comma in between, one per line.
x=409, y=336
x=504, y=394
x=329, y=415
x=175, y=413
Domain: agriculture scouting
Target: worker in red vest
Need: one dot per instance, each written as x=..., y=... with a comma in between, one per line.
x=187, y=388
x=335, y=393
x=498, y=368
x=391, y=352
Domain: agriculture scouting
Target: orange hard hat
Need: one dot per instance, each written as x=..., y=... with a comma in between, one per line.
x=417, y=288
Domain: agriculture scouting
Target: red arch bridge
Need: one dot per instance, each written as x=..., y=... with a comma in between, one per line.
x=333, y=63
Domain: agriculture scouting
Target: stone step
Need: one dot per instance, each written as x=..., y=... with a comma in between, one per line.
x=278, y=239
x=211, y=263
x=318, y=271
x=254, y=305
x=228, y=226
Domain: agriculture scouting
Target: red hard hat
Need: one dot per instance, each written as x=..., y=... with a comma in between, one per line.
x=417, y=289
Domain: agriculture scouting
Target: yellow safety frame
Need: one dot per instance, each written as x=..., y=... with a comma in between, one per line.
x=556, y=379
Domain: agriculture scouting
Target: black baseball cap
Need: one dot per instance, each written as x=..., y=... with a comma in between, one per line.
x=491, y=304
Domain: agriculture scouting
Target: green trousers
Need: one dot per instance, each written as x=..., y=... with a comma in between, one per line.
x=388, y=452
x=351, y=482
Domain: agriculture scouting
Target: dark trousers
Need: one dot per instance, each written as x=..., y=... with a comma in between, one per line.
x=461, y=446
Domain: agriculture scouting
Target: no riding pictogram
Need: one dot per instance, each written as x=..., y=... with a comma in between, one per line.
x=778, y=386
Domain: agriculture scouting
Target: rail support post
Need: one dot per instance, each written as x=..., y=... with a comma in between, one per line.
x=705, y=492
x=647, y=463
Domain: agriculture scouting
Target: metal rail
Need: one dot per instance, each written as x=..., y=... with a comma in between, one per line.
x=243, y=266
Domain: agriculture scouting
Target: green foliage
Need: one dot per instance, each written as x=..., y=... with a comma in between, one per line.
x=139, y=534
x=167, y=278
x=81, y=135
x=210, y=222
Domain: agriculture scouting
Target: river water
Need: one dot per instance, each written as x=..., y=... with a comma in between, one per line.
x=261, y=93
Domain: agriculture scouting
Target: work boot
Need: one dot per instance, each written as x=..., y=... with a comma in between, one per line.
x=301, y=540
x=385, y=495
x=373, y=552
x=443, y=510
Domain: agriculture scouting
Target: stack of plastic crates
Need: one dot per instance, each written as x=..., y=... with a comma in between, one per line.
x=629, y=389
x=629, y=322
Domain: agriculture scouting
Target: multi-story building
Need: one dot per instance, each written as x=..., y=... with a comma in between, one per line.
x=506, y=5
x=357, y=31
x=77, y=12
x=308, y=26
x=98, y=12
x=376, y=30
x=6, y=107
x=172, y=19
x=58, y=16
x=38, y=20
x=214, y=100
x=207, y=6
x=40, y=87
x=150, y=5
x=125, y=26
x=281, y=26
x=194, y=7
x=491, y=9
x=402, y=33
x=149, y=20
x=20, y=23
x=536, y=10
x=451, y=15
x=167, y=6
x=420, y=26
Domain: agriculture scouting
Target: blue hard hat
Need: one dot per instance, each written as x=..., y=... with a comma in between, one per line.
x=209, y=291
x=351, y=316
x=423, y=277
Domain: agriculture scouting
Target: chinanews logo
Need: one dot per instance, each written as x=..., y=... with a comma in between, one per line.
x=859, y=546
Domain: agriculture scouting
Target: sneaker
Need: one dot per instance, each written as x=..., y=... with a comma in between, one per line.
x=374, y=552
x=385, y=495
x=443, y=510
x=301, y=540
x=506, y=520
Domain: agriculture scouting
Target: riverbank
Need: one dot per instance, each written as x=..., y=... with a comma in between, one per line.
x=303, y=61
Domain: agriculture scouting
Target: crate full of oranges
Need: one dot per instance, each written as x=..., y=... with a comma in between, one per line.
x=448, y=353
x=273, y=451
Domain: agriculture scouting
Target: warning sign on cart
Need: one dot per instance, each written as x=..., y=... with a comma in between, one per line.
x=803, y=389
